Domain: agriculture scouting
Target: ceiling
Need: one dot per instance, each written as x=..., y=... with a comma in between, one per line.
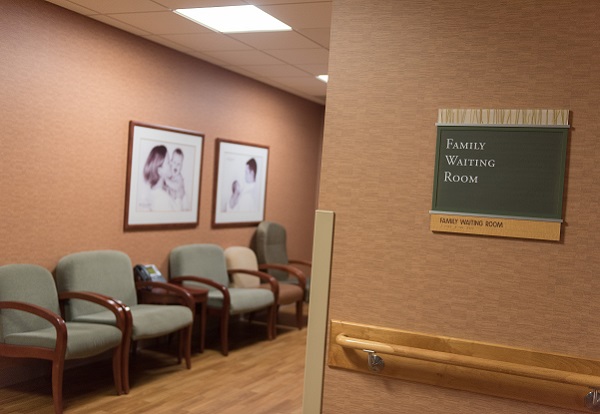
x=286, y=60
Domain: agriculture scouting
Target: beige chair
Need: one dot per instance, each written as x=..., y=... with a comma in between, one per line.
x=110, y=273
x=203, y=266
x=31, y=325
x=270, y=245
x=245, y=273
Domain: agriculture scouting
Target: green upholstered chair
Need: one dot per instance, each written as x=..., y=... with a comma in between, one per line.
x=270, y=245
x=110, y=273
x=31, y=325
x=204, y=266
x=243, y=265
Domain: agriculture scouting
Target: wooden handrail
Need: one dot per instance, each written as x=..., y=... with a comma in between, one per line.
x=503, y=367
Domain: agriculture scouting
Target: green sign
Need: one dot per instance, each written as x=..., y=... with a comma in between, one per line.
x=500, y=171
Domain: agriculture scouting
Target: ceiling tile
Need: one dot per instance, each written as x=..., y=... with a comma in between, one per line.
x=166, y=42
x=314, y=69
x=207, y=41
x=209, y=59
x=191, y=4
x=242, y=71
x=320, y=36
x=244, y=57
x=72, y=6
x=275, y=40
x=301, y=56
x=165, y=22
x=119, y=6
x=120, y=25
x=260, y=2
x=275, y=70
x=302, y=16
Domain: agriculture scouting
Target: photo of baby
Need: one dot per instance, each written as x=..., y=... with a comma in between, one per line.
x=244, y=197
x=241, y=183
x=175, y=183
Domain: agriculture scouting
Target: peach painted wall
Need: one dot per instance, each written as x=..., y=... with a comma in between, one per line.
x=70, y=86
x=393, y=64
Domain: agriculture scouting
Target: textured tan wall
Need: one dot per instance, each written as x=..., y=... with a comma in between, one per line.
x=70, y=86
x=393, y=64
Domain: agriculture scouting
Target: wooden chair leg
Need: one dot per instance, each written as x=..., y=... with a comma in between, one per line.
x=117, y=369
x=186, y=341
x=185, y=346
x=225, y=333
x=271, y=326
x=58, y=367
x=202, y=326
x=179, y=345
x=277, y=309
x=299, y=314
x=125, y=365
x=275, y=320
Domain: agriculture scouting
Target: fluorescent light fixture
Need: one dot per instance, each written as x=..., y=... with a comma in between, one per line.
x=324, y=78
x=234, y=19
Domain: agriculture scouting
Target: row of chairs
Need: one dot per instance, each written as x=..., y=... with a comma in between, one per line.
x=237, y=284
x=93, y=305
x=91, y=308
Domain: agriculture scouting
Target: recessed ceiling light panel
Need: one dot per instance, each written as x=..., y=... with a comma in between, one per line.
x=234, y=19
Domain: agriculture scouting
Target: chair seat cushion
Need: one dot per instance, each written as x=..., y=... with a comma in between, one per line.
x=84, y=339
x=148, y=320
x=243, y=300
x=288, y=293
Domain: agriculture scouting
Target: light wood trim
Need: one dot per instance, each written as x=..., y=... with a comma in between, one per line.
x=566, y=377
x=493, y=226
x=509, y=117
x=552, y=379
x=316, y=342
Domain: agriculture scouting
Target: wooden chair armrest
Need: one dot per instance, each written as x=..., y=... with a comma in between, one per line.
x=291, y=270
x=223, y=289
x=119, y=309
x=264, y=277
x=56, y=320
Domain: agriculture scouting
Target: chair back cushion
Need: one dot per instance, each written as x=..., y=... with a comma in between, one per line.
x=202, y=260
x=239, y=257
x=26, y=283
x=107, y=272
x=271, y=247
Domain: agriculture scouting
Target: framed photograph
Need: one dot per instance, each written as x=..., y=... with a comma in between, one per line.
x=163, y=177
x=240, y=183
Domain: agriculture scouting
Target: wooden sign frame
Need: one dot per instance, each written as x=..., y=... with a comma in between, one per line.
x=500, y=172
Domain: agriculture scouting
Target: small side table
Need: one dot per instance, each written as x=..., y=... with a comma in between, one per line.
x=161, y=296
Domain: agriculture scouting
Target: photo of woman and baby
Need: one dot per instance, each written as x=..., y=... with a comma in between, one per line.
x=165, y=187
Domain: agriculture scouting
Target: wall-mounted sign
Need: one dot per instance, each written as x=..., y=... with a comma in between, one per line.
x=500, y=172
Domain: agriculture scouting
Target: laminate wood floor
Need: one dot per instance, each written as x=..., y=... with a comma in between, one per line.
x=258, y=377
